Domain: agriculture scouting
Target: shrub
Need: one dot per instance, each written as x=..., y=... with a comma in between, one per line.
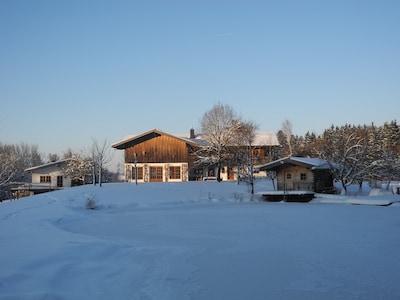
x=91, y=202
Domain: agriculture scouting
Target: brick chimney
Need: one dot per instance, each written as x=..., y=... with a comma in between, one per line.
x=192, y=135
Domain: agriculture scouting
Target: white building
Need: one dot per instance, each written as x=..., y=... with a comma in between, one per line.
x=47, y=177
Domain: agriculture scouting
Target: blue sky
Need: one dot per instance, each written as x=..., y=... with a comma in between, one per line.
x=72, y=70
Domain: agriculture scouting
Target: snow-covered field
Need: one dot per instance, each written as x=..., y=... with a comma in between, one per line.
x=197, y=240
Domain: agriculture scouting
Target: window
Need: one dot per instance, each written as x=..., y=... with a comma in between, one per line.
x=156, y=174
x=303, y=176
x=258, y=152
x=175, y=172
x=198, y=172
x=139, y=171
x=289, y=176
x=59, y=181
x=45, y=179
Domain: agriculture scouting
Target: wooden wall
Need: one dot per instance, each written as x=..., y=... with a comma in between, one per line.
x=295, y=182
x=318, y=180
x=161, y=149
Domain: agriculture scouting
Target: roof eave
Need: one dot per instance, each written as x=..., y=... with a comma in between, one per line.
x=123, y=144
x=46, y=165
x=292, y=161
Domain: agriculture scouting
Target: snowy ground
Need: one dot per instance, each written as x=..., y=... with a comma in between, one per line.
x=197, y=240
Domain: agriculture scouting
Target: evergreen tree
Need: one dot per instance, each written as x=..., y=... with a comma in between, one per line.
x=283, y=149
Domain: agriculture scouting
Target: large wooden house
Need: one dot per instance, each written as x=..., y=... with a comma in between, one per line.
x=301, y=173
x=156, y=156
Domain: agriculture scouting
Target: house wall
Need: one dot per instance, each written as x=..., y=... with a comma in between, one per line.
x=153, y=172
x=263, y=154
x=291, y=178
x=164, y=151
x=208, y=173
x=52, y=171
x=161, y=149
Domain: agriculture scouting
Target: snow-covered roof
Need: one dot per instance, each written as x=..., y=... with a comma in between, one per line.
x=266, y=139
x=146, y=135
x=261, y=139
x=198, y=140
x=61, y=161
x=308, y=162
x=315, y=162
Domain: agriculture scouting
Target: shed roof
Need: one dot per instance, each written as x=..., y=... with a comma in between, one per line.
x=306, y=162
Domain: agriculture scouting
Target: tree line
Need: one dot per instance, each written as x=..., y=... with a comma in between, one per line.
x=356, y=153
x=14, y=159
x=83, y=166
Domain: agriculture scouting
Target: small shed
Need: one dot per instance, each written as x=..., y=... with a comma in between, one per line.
x=301, y=174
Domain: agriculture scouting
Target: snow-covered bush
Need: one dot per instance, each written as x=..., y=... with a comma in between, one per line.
x=91, y=202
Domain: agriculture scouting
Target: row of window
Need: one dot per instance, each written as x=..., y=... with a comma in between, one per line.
x=47, y=179
x=174, y=173
x=156, y=172
x=303, y=176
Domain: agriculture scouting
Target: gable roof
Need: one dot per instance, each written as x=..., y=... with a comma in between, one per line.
x=197, y=140
x=140, y=138
x=53, y=163
x=306, y=162
x=266, y=139
x=260, y=139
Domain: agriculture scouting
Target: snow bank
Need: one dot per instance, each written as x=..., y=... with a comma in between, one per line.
x=203, y=240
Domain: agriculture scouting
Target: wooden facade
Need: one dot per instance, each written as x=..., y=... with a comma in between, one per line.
x=160, y=149
x=301, y=174
x=155, y=156
x=295, y=178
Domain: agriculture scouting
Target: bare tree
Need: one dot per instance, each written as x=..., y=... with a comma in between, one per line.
x=243, y=148
x=8, y=170
x=52, y=157
x=272, y=175
x=14, y=159
x=287, y=131
x=101, y=156
x=69, y=153
x=218, y=126
x=387, y=167
x=78, y=167
x=345, y=154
